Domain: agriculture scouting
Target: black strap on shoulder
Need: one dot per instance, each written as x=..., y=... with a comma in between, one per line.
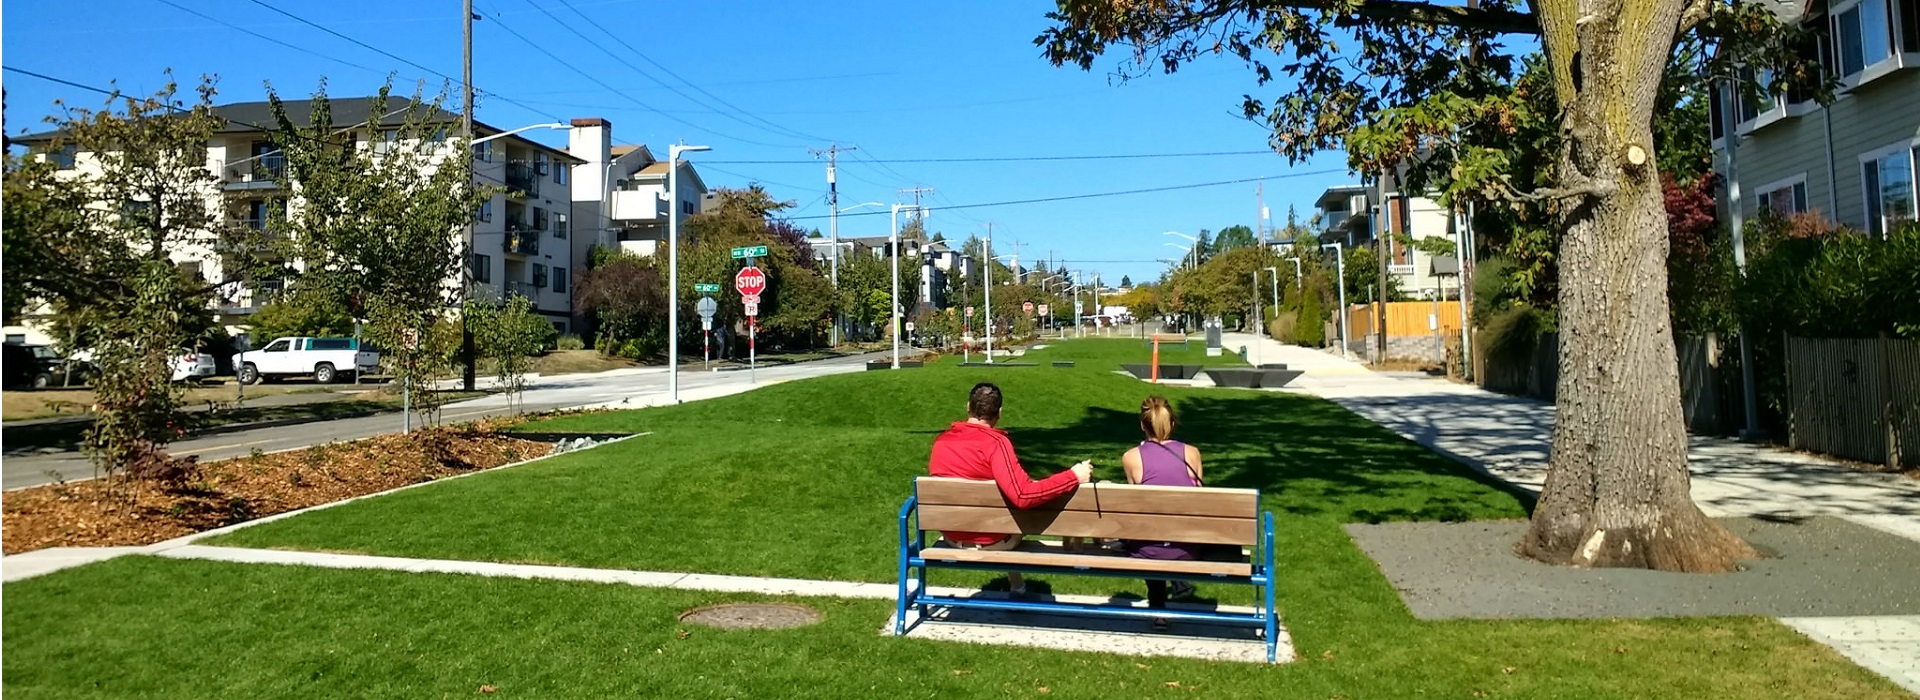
x=1191, y=472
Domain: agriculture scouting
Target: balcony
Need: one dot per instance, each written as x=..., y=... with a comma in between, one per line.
x=521, y=240
x=638, y=205
x=260, y=173
x=250, y=234
x=522, y=180
x=523, y=289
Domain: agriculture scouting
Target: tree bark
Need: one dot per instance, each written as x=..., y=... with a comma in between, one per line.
x=1617, y=493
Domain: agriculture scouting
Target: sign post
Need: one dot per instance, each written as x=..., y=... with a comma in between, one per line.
x=705, y=307
x=750, y=282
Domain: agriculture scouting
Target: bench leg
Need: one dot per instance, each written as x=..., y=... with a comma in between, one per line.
x=1273, y=625
x=900, y=607
x=923, y=592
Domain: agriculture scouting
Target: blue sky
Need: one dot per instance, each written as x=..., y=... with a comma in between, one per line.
x=947, y=80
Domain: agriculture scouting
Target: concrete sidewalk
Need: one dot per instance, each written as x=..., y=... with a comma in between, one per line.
x=1510, y=437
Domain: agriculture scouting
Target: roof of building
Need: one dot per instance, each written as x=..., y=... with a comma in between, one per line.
x=1339, y=194
x=247, y=117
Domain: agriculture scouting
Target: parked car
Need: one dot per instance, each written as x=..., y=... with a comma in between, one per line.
x=186, y=364
x=324, y=359
x=39, y=367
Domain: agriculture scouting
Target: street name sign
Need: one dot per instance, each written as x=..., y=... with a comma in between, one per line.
x=752, y=251
x=705, y=287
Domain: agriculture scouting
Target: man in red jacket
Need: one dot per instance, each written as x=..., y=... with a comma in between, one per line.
x=975, y=449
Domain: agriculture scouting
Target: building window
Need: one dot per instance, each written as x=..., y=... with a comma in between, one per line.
x=686, y=208
x=560, y=173
x=486, y=210
x=1863, y=35
x=62, y=157
x=559, y=225
x=482, y=268
x=385, y=139
x=539, y=219
x=483, y=152
x=560, y=279
x=539, y=276
x=1887, y=178
x=540, y=164
x=1786, y=198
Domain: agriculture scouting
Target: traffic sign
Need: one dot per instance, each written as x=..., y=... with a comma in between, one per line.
x=752, y=307
x=1045, y=310
x=705, y=307
x=705, y=287
x=410, y=339
x=706, y=323
x=909, y=326
x=969, y=312
x=752, y=251
x=1027, y=307
x=750, y=281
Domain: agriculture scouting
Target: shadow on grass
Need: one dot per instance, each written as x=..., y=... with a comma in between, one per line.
x=1308, y=457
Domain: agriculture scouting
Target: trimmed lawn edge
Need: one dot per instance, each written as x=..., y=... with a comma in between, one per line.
x=185, y=540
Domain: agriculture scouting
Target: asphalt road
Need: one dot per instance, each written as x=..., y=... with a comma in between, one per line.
x=638, y=387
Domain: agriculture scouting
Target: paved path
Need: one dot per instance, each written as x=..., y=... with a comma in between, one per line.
x=1510, y=437
x=624, y=388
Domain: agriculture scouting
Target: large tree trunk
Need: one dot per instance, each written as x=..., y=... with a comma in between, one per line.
x=1617, y=493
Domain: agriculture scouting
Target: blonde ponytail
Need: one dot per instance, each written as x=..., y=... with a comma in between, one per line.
x=1156, y=419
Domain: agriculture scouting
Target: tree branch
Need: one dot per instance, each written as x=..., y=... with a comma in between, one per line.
x=1580, y=188
x=1501, y=21
x=1696, y=11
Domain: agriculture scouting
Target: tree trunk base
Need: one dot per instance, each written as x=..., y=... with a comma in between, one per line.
x=1687, y=541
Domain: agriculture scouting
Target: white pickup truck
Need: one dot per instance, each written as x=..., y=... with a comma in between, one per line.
x=324, y=359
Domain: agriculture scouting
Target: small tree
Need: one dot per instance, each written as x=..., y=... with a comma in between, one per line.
x=509, y=334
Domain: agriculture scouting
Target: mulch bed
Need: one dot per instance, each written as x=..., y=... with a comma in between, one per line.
x=97, y=513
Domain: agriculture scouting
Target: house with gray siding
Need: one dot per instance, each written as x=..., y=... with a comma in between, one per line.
x=1854, y=160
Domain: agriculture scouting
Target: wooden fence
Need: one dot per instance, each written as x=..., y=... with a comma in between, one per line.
x=1405, y=319
x=1855, y=398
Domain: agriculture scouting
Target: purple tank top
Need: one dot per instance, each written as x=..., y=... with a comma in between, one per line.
x=1165, y=464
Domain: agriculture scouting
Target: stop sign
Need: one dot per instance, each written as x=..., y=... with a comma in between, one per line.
x=750, y=282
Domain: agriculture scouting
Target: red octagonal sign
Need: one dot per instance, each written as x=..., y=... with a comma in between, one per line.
x=750, y=282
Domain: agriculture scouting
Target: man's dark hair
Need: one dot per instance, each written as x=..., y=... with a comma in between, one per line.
x=983, y=402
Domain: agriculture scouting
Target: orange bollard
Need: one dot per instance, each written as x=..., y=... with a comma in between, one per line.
x=1156, y=361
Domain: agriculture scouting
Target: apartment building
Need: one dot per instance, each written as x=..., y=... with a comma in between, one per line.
x=1385, y=216
x=518, y=241
x=1854, y=160
x=624, y=191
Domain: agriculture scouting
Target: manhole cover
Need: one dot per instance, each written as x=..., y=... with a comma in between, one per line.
x=739, y=616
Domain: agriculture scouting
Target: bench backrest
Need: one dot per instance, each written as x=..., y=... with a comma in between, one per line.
x=1104, y=510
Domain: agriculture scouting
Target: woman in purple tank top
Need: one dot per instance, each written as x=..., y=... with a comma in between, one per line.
x=1161, y=460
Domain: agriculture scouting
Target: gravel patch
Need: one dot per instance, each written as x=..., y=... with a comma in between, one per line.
x=1817, y=567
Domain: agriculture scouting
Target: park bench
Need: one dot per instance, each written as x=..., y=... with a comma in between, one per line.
x=1168, y=339
x=1217, y=516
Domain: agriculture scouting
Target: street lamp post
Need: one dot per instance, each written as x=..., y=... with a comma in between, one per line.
x=1276, y=287
x=1340, y=271
x=673, y=268
x=893, y=314
x=469, y=357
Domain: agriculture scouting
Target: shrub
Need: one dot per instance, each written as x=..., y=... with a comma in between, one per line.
x=1310, y=322
x=570, y=342
x=1280, y=327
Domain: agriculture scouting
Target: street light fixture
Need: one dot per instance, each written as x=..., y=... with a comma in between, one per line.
x=1276, y=284
x=893, y=314
x=837, y=320
x=1190, y=239
x=467, y=352
x=1340, y=271
x=510, y=132
x=673, y=268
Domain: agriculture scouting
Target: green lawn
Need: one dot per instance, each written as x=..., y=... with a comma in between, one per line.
x=803, y=480
x=166, y=628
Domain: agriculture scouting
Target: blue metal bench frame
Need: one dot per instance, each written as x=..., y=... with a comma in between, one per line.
x=913, y=584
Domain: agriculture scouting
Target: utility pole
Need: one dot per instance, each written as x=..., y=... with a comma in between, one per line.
x=1018, y=276
x=833, y=221
x=467, y=352
x=986, y=287
x=916, y=192
x=1260, y=219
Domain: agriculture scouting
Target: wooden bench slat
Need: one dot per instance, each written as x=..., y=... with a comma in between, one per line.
x=1101, y=498
x=999, y=519
x=1089, y=561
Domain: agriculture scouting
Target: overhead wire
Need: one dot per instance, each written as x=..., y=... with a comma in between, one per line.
x=603, y=84
x=272, y=39
x=1150, y=190
x=396, y=57
x=770, y=125
x=1015, y=159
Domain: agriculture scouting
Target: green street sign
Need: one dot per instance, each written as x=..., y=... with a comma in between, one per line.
x=706, y=287
x=756, y=251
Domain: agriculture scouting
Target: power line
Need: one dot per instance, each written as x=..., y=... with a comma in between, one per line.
x=1149, y=190
x=244, y=30
x=609, y=88
x=1011, y=159
x=776, y=128
x=395, y=57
